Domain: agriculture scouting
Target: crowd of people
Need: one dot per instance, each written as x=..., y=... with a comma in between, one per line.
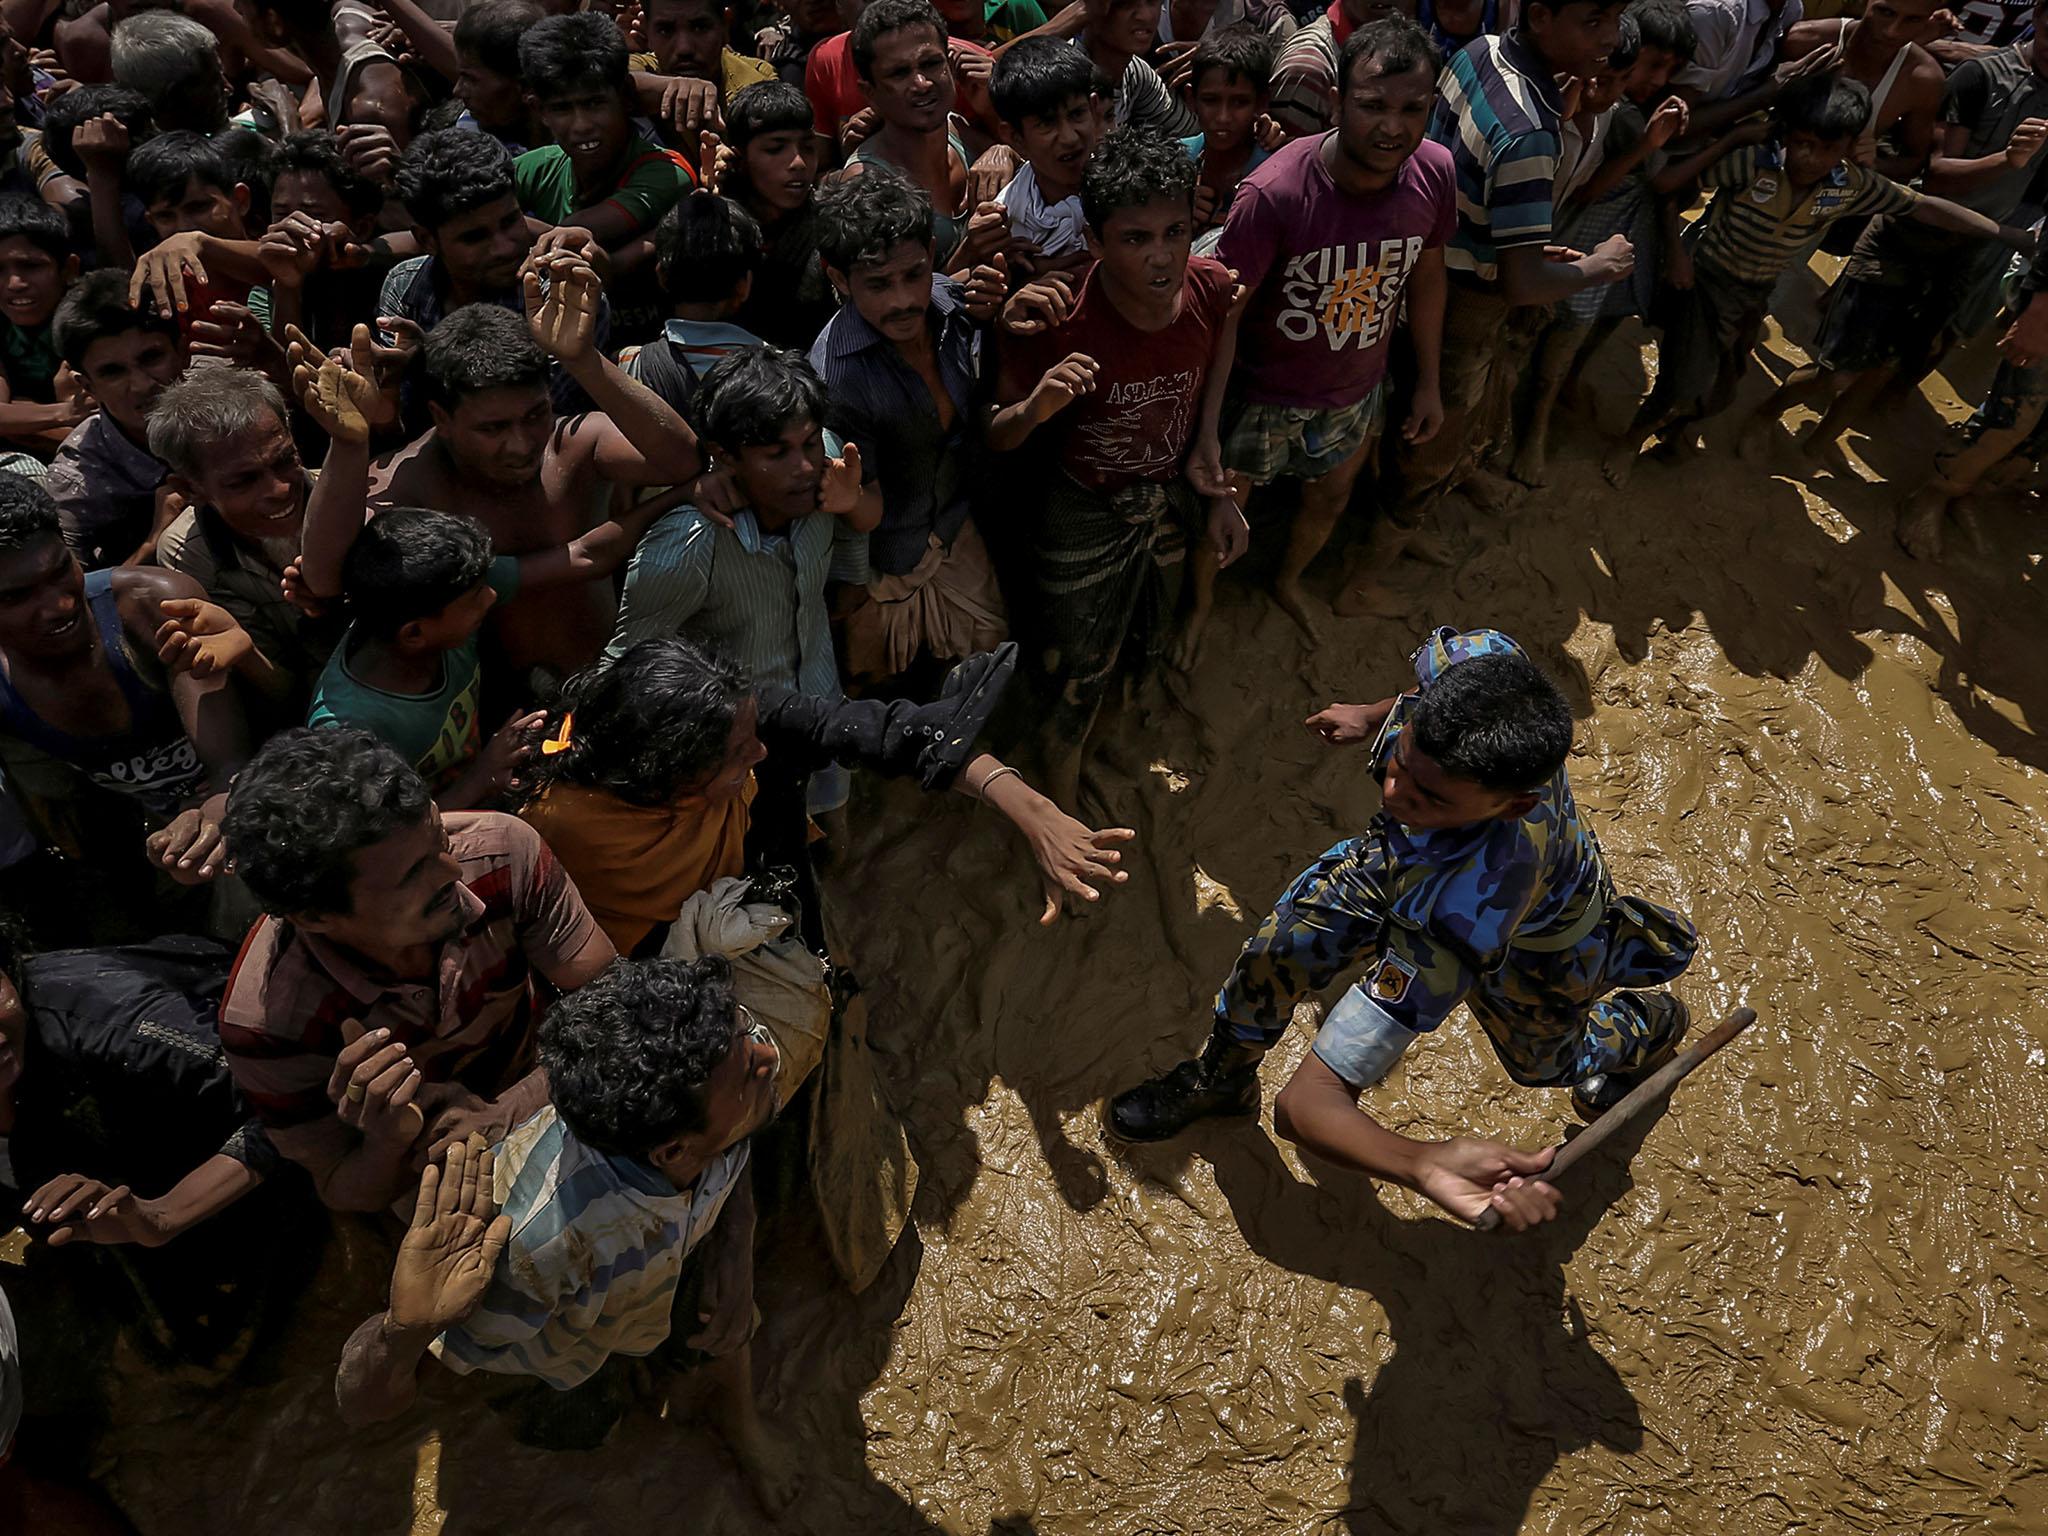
x=476, y=486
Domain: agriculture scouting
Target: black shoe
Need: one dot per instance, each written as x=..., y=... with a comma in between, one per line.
x=1223, y=1080
x=1601, y=1092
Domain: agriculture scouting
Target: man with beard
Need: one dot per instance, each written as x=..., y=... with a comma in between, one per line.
x=386, y=1004
x=1331, y=234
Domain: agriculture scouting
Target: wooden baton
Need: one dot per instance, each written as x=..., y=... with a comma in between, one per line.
x=1647, y=1092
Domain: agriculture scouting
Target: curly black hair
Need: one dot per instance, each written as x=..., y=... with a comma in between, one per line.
x=878, y=20
x=749, y=397
x=629, y=1052
x=866, y=218
x=410, y=563
x=566, y=54
x=450, y=172
x=306, y=805
x=66, y=112
x=96, y=308
x=159, y=170
x=319, y=151
x=1135, y=166
x=1496, y=720
x=33, y=220
x=479, y=347
x=650, y=726
x=704, y=246
x=27, y=514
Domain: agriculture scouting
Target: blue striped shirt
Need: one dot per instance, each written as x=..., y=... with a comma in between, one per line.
x=590, y=1271
x=1499, y=114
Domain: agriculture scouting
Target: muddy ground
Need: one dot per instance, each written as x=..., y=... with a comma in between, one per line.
x=1811, y=1300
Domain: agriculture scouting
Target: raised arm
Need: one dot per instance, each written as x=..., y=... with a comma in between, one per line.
x=637, y=438
x=340, y=394
x=443, y=1268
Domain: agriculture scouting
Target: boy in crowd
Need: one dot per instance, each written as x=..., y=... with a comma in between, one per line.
x=2008, y=423
x=88, y=133
x=1618, y=196
x=1044, y=92
x=754, y=585
x=1229, y=84
x=487, y=77
x=1500, y=114
x=899, y=53
x=1117, y=35
x=1331, y=235
x=1476, y=883
x=707, y=257
x=599, y=173
x=206, y=263
x=36, y=267
x=317, y=251
x=627, y=1226
x=1133, y=378
x=1735, y=68
x=1910, y=289
x=459, y=189
x=386, y=1003
x=774, y=175
x=900, y=364
x=417, y=585
x=496, y=453
x=1772, y=201
x=690, y=40
x=103, y=743
x=225, y=438
x=106, y=483
x=1881, y=51
x=1305, y=72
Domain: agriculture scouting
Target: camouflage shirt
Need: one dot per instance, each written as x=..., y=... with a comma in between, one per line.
x=1478, y=888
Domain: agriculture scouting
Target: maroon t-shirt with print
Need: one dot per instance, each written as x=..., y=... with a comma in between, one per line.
x=1141, y=417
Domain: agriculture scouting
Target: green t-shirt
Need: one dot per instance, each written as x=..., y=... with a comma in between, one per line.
x=439, y=733
x=1012, y=18
x=649, y=184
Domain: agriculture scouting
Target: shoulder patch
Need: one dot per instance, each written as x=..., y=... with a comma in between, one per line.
x=1391, y=979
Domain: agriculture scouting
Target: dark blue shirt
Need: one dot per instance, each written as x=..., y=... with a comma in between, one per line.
x=879, y=402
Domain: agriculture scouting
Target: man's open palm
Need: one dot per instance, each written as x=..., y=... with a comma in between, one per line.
x=561, y=305
x=449, y=1253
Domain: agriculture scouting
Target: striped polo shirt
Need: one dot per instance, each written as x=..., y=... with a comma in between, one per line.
x=590, y=1270
x=1759, y=223
x=1498, y=112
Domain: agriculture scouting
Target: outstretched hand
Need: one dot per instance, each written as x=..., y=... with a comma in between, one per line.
x=562, y=300
x=200, y=637
x=338, y=392
x=445, y=1263
x=1073, y=857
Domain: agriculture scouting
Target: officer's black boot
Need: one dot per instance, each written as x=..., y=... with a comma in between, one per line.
x=1223, y=1080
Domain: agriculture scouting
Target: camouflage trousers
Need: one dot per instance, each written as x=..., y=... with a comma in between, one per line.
x=1555, y=1016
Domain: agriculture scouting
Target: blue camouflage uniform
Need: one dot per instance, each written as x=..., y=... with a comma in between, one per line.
x=1516, y=918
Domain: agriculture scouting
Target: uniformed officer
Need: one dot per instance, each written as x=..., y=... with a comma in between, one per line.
x=1476, y=883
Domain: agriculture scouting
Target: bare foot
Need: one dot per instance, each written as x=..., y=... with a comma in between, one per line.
x=775, y=1476
x=1430, y=547
x=1532, y=462
x=1187, y=648
x=1490, y=492
x=1367, y=597
x=1919, y=530
x=1294, y=602
x=1964, y=508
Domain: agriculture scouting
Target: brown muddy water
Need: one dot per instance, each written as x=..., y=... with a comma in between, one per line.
x=1807, y=1298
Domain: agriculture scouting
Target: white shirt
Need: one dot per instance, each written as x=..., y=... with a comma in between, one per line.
x=1738, y=45
x=1055, y=229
